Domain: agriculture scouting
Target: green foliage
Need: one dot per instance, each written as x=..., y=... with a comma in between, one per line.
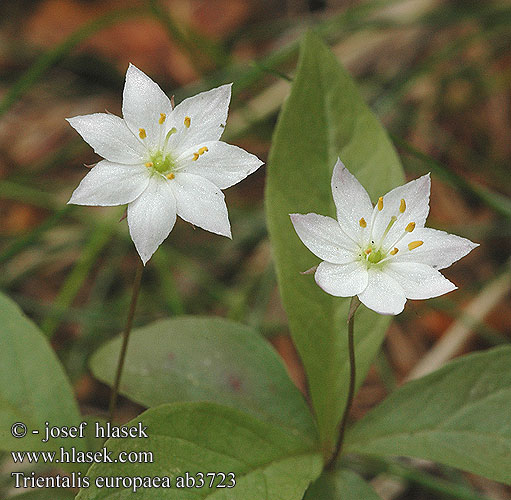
x=206, y=359
x=458, y=416
x=323, y=118
x=33, y=386
x=46, y=494
x=267, y=461
x=340, y=485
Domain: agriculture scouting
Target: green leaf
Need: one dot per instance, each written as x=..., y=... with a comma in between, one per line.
x=340, y=485
x=323, y=118
x=206, y=359
x=268, y=462
x=458, y=416
x=33, y=386
x=46, y=494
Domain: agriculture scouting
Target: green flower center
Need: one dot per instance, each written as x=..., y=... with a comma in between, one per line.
x=375, y=256
x=161, y=163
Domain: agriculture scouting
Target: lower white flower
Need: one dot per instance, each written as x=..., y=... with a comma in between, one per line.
x=162, y=161
x=383, y=254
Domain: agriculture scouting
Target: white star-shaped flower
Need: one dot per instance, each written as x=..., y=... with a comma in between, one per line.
x=162, y=161
x=383, y=254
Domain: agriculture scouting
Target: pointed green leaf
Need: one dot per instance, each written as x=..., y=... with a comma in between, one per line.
x=323, y=118
x=340, y=485
x=268, y=462
x=458, y=415
x=206, y=359
x=33, y=386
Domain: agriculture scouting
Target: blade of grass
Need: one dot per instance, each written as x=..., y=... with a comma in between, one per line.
x=94, y=330
x=498, y=202
x=245, y=77
x=98, y=240
x=168, y=292
x=458, y=334
x=33, y=236
x=53, y=56
x=418, y=477
x=194, y=44
x=16, y=191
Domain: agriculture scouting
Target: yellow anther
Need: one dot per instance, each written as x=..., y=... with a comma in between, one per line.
x=368, y=251
x=202, y=150
x=195, y=156
x=414, y=244
x=402, y=205
x=163, y=117
x=395, y=251
x=188, y=121
x=171, y=176
x=380, y=203
x=149, y=164
x=142, y=133
x=410, y=227
x=362, y=222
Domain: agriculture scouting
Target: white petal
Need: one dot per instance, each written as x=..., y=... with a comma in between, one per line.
x=351, y=200
x=439, y=249
x=110, y=137
x=207, y=112
x=342, y=280
x=143, y=101
x=416, y=196
x=324, y=237
x=222, y=164
x=109, y=184
x=419, y=281
x=201, y=203
x=152, y=216
x=383, y=293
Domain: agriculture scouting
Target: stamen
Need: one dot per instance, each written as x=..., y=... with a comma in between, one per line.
x=188, y=121
x=414, y=244
x=380, y=203
x=395, y=251
x=368, y=251
x=149, y=164
x=410, y=227
x=142, y=133
x=163, y=117
x=200, y=152
x=402, y=205
x=171, y=176
x=362, y=222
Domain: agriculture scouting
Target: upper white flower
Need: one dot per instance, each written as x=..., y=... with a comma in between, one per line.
x=163, y=162
x=384, y=254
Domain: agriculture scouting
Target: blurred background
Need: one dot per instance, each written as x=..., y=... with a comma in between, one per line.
x=436, y=72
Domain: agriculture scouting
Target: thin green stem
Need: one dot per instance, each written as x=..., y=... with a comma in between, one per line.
x=125, y=338
x=355, y=302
